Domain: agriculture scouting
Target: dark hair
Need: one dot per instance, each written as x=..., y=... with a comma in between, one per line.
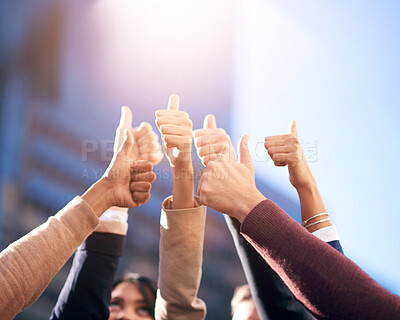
x=241, y=294
x=146, y=286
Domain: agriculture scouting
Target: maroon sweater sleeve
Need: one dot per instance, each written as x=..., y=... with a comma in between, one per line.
x=326, y=282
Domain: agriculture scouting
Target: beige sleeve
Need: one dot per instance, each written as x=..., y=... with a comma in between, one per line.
x=28, y=264
x=181, y=257
x=116, y=227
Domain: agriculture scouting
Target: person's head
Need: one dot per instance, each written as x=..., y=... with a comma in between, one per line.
x=132, y=298
x=242, y=304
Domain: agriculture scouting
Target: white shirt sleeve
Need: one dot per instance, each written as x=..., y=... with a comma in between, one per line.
x=114, y=220
x=115, y=215
x=327, y=234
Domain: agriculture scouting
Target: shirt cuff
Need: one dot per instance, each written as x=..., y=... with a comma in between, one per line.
x=114, y=221
x=114, y=215
x=327, y=234
x=167, y=204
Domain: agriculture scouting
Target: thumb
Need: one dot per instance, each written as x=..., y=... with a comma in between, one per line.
x=126, y=146
x=126, y=117
x=293, y=128
x=210, y=122
x=173, y=102
x=244, y=153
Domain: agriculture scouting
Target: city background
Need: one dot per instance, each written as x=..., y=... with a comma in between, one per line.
x=66, y=68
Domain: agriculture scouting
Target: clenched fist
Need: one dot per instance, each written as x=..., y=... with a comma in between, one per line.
x=228, y=185
x=146, y=146
x=128, y=181
x=176, y=131
x=212, y=141
x=286, y=150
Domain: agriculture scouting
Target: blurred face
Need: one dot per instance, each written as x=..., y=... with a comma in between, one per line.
x=246, y=310
x=127, y=303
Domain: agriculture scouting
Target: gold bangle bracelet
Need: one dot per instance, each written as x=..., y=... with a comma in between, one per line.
x=314, y=223
x=313, y=217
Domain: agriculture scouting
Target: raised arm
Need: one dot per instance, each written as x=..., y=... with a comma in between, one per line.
x=182, y=224
x=87, y=291
x=273, y=299
x=326, y=282
x=285, y=150
x=28, y=264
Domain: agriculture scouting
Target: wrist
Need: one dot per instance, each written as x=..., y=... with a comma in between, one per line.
x=308, y=187
x=247, y=204
x=183, y=172
x=98, y=197
x=182, y=188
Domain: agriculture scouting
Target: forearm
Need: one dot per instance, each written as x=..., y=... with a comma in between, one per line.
x=182, y=187
x=323, y=280
x=97, y=196
x=29, y=264
x=181, y=257
x=272, y=297
x=311, y=204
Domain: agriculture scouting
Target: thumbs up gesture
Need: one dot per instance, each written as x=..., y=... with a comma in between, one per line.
x=176, y=132
x=212, y=141
x=227, y=184
x=286, y=150
x=145, y=144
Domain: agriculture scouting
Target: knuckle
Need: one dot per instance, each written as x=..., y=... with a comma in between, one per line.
x=294, y=140
x=184, y=113
x=196, y=134
x=226, y=138
x=146, y=126
x=187, y=139
x=154, y=136
x=201, y=151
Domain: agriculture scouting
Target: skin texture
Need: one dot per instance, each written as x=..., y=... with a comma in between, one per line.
x=227, y=185
x=126, y=182
x=128, y=178
x=285, y=150
x=145, y=146
x=246, y=310
x=127, y=303
x=211, y=141
x=176, y=131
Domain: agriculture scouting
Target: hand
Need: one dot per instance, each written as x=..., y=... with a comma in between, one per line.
x=229, y=186
x=126, y=182
x=176, y=131
x=286, y=150
x=211, y=141
x=147, y=140
x=146, y=146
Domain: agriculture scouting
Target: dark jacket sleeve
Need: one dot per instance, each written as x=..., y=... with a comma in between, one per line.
x=272, y=297
x=336, y=245
x=87, y=291
x=327, y=283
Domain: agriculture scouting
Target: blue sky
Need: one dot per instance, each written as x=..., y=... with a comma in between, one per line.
x=335, y=68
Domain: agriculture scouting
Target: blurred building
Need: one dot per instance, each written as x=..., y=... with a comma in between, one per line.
x=66, y=68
